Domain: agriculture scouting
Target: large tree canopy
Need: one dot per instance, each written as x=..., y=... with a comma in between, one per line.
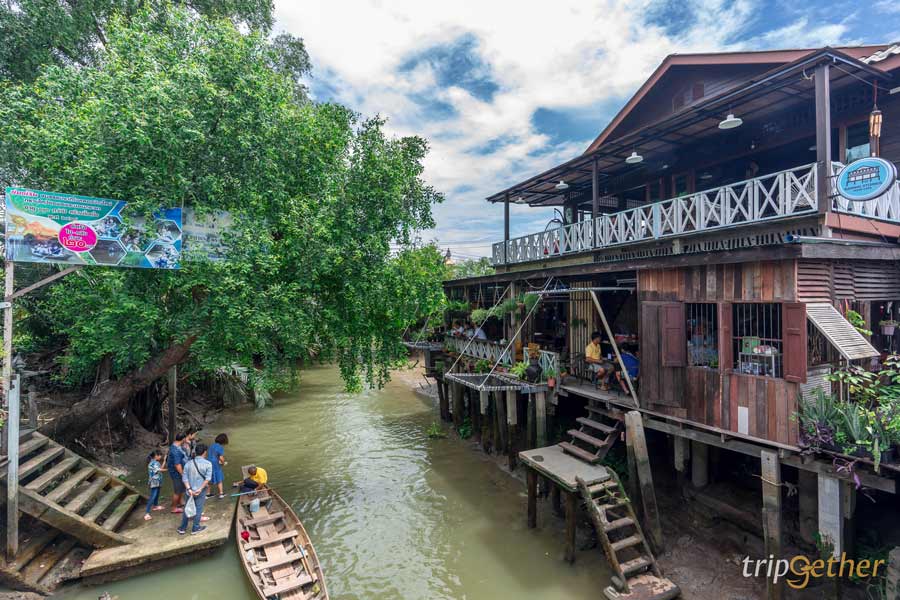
x=181, y=110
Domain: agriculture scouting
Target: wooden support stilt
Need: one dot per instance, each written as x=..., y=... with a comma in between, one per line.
x=32, y=408
x=681, y=452
x=531, y=477
x=475, y=416
x=529, y=422
x=555, y=500
x=771, y=493
x=500, y=422
x=458, y=405
x=848, y=504
x=540, y=418
x=807, y=485
x=487, y=421
x=699, y=464
x=443, y=400
x=634, y=429
x=512, y=417
x=571, y=521
x=631, y=488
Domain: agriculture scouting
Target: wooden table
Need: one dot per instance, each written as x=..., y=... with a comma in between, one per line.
x=560, y=469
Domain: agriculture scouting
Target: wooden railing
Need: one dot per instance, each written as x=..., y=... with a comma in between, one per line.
x=479, y=349
x=775, y=196
x=492, y=351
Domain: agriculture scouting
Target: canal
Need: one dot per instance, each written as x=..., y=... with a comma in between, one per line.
x=392, y=513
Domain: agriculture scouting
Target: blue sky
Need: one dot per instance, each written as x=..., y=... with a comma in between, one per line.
x=505, y=89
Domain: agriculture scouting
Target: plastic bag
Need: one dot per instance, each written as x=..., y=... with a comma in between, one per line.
x=190, y=508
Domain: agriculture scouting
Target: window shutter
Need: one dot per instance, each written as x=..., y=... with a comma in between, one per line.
x=674, y=340
x=726, y=343
x=794, y=332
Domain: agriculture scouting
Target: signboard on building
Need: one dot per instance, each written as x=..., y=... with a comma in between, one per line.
x=49, y=227
x=866, y=179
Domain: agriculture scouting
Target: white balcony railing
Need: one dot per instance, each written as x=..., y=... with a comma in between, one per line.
x=494, y=351
x=770, y=197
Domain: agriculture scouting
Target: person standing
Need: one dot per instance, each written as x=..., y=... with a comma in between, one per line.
x=217, y=458
x=175, y=463
x=154, y=479
x=196, y=478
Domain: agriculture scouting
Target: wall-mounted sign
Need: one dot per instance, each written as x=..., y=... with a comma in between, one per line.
x=866, y=179
x=48, y=227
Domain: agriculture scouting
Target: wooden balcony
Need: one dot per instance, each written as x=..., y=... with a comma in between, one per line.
x=495, y=352
x=777, y=196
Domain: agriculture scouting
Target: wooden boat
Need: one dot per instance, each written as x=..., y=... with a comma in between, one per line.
x=278, y=557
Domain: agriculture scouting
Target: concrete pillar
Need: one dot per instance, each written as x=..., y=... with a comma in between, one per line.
x=681, y=453
x=831, y=513
x=699, y=464
x=540, y=418
x=892, y=583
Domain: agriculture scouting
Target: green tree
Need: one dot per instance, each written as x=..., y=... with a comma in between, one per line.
x=75, y=32
x=180, y=110
x=474, y=267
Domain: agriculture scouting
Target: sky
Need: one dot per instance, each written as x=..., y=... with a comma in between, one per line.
x=503, y=90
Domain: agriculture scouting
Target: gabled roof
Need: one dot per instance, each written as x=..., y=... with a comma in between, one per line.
x=766, y=57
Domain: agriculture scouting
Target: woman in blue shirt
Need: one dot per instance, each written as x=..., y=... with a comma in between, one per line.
x=217, y=458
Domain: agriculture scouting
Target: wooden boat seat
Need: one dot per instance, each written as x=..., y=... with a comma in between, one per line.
x=285, y=535
x=288, y=585
x=277, y=562
x=271, y=518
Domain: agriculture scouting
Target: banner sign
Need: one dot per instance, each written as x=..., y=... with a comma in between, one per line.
x=48, y=227
x=204, y=235
x=866, y=179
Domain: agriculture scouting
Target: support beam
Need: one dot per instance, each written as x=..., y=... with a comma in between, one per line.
x=505, y=226
x=531, y=477
x=595, y=191
x=512, y=418
x=823, y=136
x=540, y=418
x=634, y=430
x=831, y=513
x=12, y=471
x=571, y=521
x=770, y=468
x=699, y=464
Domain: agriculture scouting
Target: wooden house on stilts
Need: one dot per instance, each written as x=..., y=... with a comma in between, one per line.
x=706, y=233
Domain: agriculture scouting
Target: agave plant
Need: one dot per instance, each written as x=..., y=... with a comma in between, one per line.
x=857, y=424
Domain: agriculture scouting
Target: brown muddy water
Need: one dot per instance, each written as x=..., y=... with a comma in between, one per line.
x=392, y=513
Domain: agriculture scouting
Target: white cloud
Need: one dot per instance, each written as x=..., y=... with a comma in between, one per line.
x=562, y=55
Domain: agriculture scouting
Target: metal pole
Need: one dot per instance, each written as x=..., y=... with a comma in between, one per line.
x=12, y=471
x=7, y=336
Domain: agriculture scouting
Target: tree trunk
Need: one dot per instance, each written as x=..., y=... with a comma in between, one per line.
x=115, y=394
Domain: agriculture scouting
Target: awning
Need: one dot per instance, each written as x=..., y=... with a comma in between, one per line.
x=842, y=335
x=495, y=382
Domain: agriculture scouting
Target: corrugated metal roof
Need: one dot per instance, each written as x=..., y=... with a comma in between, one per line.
x=842, y=335
x=882, y=54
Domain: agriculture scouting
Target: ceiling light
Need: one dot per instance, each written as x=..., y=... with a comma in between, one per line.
x=731, y=122
x=634, y=159
x=562, y=186
x=706, y=175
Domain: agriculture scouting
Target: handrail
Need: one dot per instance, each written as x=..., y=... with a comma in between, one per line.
x=769, y=197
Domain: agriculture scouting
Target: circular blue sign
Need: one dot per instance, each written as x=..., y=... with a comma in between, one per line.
x=866, y=179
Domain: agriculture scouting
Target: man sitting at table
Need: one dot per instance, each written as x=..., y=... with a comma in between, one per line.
x=599, y=366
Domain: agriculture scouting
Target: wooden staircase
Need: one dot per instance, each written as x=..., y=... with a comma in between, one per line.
x=79, y=505
x=594, y=437
x=637, y=575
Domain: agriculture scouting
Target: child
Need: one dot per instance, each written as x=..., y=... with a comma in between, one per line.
x=154, y=477
x=217, y=458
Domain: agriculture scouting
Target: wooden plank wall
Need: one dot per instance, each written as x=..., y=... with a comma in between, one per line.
x=710, y=396
x=767, y=281
x=859, y=280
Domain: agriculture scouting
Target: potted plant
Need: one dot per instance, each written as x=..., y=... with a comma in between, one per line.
x=483, y=366
x=859, y=435
x=518, y=369
x=551, y=378
x=888, y=326
x=819, y=418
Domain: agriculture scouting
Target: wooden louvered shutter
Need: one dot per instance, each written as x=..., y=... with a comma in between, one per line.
x=794, y=333
x=672, y=334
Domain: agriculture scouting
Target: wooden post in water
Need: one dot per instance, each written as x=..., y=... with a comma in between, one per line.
x=555, y=500
x=529, y=422
x=484, y=402
x=531, y=478
x=634, y=429
x=571, y=522
x=12, y=470
x=458, y=404
x=502, y=433
x=540, y=418
x=512, y=418
x=771, y=492
x=443, y=400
